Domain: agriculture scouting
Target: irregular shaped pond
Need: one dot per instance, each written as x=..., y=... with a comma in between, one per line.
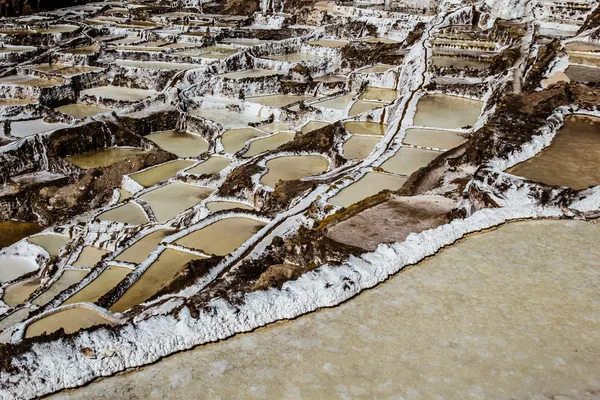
x=13, y=231
x=71, y=320
x=433, y=138
x=359, y=147
x=444, y=111
x=212, y=165
x=103, y=157
x=169, y=200
x=268, y=143
x=140, y=250
x=108, y=279
x=408, y=159
x=129, y=213
x=154, y=175
x=182, y=144
x=290, y=168
x=369, y=185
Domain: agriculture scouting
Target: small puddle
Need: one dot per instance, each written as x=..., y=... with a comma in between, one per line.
x=127, y=213
x=433, y=138
x=223, y=236
x=572, y=159
x=365, y=128
x=90, y=256
x=212, y=165
x=107, y=280
x=140, y=250
x=269, y=143
x=290, y=168
x=49, y=242
x=235, y=139
x=68, y=278
x=215, y=206
x=81, y=111
x=182, y=144
x=154, y=175
x=369, y=185
x=408, y=159
x=169, y=200
x=158, y=275
x=359, y=147
x=71, y=320
x=13, y=231
x=103, y=157
x=449, y=112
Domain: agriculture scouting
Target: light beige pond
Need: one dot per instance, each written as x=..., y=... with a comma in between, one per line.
x=444, y=111
x=362, y=106
x=33, y=127
x=369, y=185
x=169, y=200
x=71, y=320
x=124, y=194
x=329, y=43
x=379, y=68
x=583, y=46
x=234, y=140
x=12, y=267
x=90, y=256
x=313, y=126
x=14, y=318
x=250, y=73
x=103, y=157
x=290, y=168
x=57, y=29
x=166, y=66
x=365, y=128
x=13, y=231
x=338, y=103
x=119, y=93
x=49, y=242
x=409, y=159
x=214, y=206
x=275, y=127
x=29, y=80
x=182, y=144
x=127, y=213
x=591, y=60
x=18, y=292
x=16, y=102
x=573, y=158
x=228, y=119
x=158, y=275
x=268, y=143
x=379, y=94
x=459, y=63
x=583, y=73
x=67, y=279
x=140, y=250
x=16, y=49
x=223, y=236
x=433, y=138
x=80, y=110
x=108, y=279
x=294, y=57
x=359, y=147
x=154, y=175
x=278, y=100
x=212, y=165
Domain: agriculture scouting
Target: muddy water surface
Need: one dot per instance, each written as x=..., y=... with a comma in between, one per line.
x=103, y=158
x=212, y=165
x=90, y=256
x=359, y=147
x=182, y=144
x=68, y=278
x=365, y=128
x=139, y=251
x=268, y=143
x=49, y=242
x=154, y=175
x=444, y=111
x=226, y=205
x=107, y=280
x=289, y=168
x=80, y=110
x=433, y=138
x=18, y=292
x=235, y=139
x=369, y=185
x=70, y=319
x=408, y=159
x=13, y=231
x=169, y=200
x=127, y=213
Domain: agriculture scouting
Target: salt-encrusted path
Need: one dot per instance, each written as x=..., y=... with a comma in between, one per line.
x=511, y=313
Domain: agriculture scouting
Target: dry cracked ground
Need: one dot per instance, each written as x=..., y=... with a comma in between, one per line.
x=178, y=176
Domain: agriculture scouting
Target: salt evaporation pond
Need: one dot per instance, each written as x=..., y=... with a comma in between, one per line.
x=379, y=94
x=376, y=69
x=294, y=57
x=50, y=242
x=118, y=93
x=445, y=111
x=68, y=278
x=169, y=200
x=70, y=319
x=16, y=102
x=18, y=292
x=14, y=318
x=369, y=185
x=103, y=157
x=13, y=231
x=212, y=165
x=288, y=168
x=583, y=46
x=158, y=275
x=139, y=251
x=365, y=128
x=459, y=62
x=249, y=73
x=167, y=66
x=433, y=138
x=234, y=140
x=359, y=147
x=409, y=159
x=228, y=119
x=80, y=110
x=23, y=129
x=268, y=143
x=12, y=267
x=572, y=159
x=182, y=144
x=332, y=43
x=583, y=73
x=127, y=213
x=214, y=206
x=52, y=29
x=16, y=49
x=278, y=100
x=313, y=126
x=28, y=80
x=589, y=59
x=361, y=106
x=154, y=175
x=275, y=127
x=89, y=256
x=223, y=236
x=340, y=103
x=108, y=279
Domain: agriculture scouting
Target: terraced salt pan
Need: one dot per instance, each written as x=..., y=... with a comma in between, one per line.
x=223, y=236
x=16, y=49
x=313, y=126
x=182, y=144
x=14, y=318
x=49, y=242
x=119, y=93
x=591, y=60
x=582, y=73
x=583, y=46
x=28, y=80
x=16, y=102
x=359, y=147
x=108, y=279
x=13, y=231
x=245, y=42
x=235, y=139
x=70, y=319
x=53, y=29
x=67, y=279
x=90, y=256
x=365, y=128
x=379, y=94
x=158, y=275
x=154, y=175
x=268, y=143
x=275, y=127
x=295, y=57
x=155, y=65
x=572, y=159
x=409, y=159
x=12, y=267
x=332, y=43
x=433, y=138
x=169, y=200
x=369, y=185
x=127, y=213
x=361, y=106
x=85, y=50
x=278, y=100
x=80, y=110
x=19, y=292
x=33, y=127
x=228, y=119
x=448, y=112
x=338, y=103
x=212, y=165
x=379, y=40
x=215, y=206
x=139, y=251
x=459, y=63
x=288, y=168
x=378, y=68
x=124, y=194
x=249, y=73
x=103, y=157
